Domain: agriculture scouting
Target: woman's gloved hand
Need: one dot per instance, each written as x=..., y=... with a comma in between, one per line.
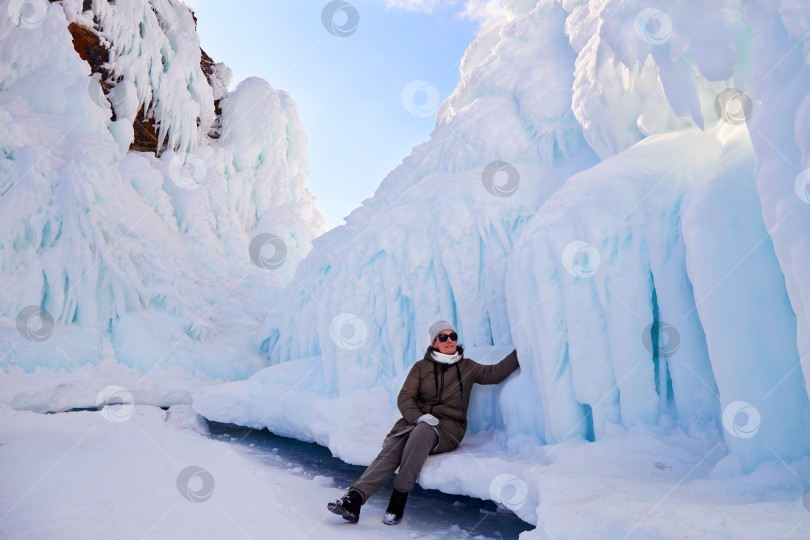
x=428, y=419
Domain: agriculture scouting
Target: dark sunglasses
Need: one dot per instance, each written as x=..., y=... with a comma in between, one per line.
x=444, y=337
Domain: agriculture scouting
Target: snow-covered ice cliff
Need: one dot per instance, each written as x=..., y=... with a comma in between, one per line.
x=171, y=253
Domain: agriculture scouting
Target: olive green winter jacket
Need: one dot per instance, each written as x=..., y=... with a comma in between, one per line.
x=443, y=390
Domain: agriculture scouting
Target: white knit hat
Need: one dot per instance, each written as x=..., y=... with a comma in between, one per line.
x=438, y=327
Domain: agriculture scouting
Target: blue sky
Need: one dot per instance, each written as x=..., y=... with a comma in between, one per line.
x=348, y=89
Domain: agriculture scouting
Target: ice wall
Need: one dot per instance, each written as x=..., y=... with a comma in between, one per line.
x=614, y=294
x=175, y=250
x=744, y=308
x=781, y=136
x=596, y=267
x=434, y=240
x=646, y=288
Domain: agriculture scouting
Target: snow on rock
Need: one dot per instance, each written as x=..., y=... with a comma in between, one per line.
x=154, y=45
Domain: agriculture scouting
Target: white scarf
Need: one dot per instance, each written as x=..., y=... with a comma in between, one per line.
x=448, y=359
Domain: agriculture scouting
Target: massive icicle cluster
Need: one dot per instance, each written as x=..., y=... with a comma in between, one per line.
x=666, y=321
x=162, y=252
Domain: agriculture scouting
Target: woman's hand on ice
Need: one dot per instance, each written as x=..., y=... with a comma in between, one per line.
x=428, y=419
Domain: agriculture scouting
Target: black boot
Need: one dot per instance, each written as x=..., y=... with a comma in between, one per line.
x=347, y=506
x=396, y=507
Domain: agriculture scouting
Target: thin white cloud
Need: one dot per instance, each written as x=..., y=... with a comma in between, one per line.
x=482, y=10
x=477, y=10
x=419, y=6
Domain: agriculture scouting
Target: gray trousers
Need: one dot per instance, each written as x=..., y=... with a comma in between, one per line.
x=408, y=452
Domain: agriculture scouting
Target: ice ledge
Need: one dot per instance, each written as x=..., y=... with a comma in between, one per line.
x=639, y=482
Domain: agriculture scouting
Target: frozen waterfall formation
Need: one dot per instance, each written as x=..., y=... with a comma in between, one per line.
x=618, y=190
x=139, y=198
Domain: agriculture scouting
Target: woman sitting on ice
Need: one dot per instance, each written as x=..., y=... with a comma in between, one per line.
x=433, y=402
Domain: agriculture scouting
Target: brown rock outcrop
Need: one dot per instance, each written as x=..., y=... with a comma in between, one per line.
x=88, y=45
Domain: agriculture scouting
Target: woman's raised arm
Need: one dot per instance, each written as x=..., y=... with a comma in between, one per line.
x=497, y=372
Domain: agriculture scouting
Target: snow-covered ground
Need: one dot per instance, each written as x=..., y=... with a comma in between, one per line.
x=144, y=472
